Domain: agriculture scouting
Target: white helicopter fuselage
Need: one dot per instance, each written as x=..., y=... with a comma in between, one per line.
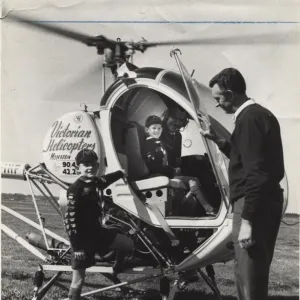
x=100, y=132
x=112, y=132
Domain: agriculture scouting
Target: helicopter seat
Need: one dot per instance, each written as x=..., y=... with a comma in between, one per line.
x=134, y=141
x=155, y=188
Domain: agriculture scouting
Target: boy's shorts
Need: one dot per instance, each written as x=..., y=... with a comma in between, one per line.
x=101, y=246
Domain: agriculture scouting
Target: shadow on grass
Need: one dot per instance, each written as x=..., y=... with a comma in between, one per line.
x=198, y=295
x=284, y=297
x=17, y=275
x=150, y=294
x=153, y=294
x=190, y=295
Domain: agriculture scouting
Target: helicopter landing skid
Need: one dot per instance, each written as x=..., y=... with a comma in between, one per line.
x=167, y=290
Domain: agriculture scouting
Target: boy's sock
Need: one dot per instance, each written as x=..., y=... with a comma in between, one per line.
x=74, y=294
x=195, y=189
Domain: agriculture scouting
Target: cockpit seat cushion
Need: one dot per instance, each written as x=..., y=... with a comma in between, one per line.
x=134, y=142
x=157, y=183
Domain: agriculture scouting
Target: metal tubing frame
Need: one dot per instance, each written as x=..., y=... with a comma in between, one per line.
x=50, y=199
x=22, y=242
x=37, y=226
x=34, y=224
x=60, y=257
x=198, y=123
x=153, y=248
x=37, y=211
x=40, y=177
x=30, y=181
x=53, y=200
x=141, y=235
x=53, y=177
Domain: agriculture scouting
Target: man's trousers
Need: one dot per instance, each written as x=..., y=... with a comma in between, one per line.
x=252, y=265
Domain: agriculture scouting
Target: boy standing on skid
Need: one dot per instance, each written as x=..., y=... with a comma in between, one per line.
x=82, y=221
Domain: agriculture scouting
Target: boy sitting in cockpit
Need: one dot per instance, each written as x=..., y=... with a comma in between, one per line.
x=155, y=154
x=155, y=157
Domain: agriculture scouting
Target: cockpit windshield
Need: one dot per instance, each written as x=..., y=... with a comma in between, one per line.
x=185, y=162
x=216, y=157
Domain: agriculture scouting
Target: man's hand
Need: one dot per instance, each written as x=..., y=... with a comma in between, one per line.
x=208, y=132
x=80, y=254
x=245, y=236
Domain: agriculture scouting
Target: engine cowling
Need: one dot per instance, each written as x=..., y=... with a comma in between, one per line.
x=66, y=137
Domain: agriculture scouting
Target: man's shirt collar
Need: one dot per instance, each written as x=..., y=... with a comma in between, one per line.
x=243, y=106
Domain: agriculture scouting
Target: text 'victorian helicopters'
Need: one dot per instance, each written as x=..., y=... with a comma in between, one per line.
x=168, y=240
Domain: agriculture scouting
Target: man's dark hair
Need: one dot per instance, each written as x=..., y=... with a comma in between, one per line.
x=229, y=79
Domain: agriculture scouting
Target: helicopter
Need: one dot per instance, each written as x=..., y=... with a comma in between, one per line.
x=141, y=207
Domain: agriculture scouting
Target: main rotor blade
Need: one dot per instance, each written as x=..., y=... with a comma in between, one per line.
x=84, y=86
x=67, y=33
x=262, y=38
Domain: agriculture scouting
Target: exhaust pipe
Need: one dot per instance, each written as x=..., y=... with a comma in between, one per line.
x=37, y=240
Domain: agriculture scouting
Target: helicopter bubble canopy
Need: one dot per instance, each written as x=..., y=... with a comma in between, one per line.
x=69, y=134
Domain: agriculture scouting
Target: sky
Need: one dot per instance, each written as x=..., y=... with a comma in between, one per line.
x=45, y=76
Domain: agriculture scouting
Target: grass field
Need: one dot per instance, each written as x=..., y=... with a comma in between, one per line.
x=19, y=265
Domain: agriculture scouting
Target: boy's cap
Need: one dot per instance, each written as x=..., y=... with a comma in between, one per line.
x=153, y=120
x=86, y=156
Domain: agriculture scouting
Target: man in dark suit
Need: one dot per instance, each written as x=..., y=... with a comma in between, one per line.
x=175, y=119
x=255, y=170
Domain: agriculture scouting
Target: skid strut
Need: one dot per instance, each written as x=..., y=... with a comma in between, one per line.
x=167, y=290
x=211, y=283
